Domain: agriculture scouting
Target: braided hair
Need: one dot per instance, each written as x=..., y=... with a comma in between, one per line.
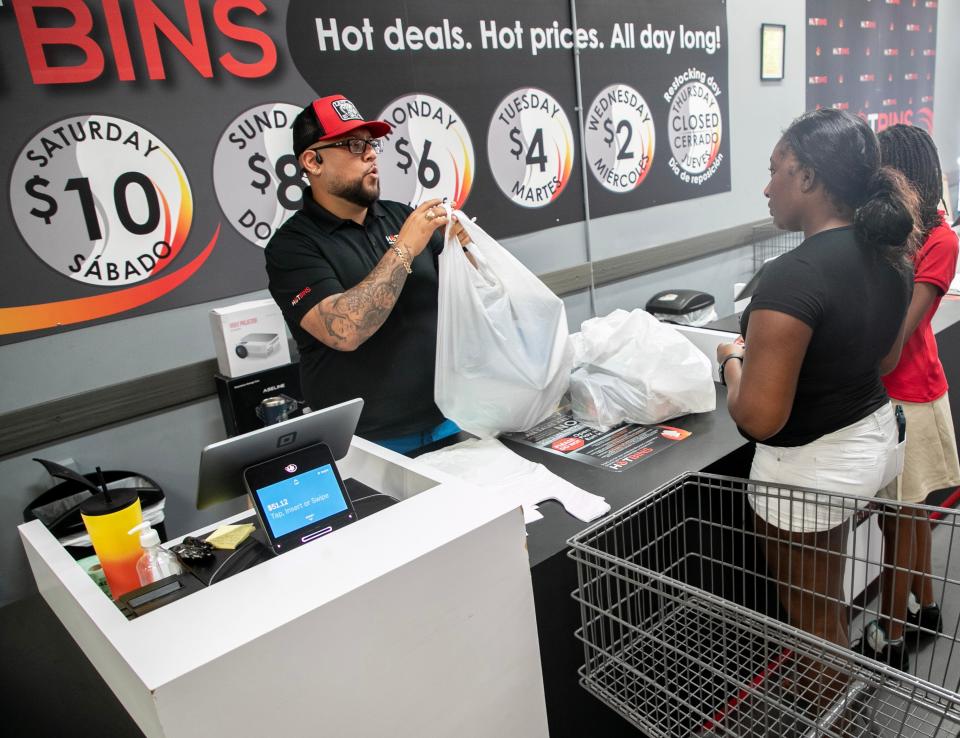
x=843, y=152
x=911, y=151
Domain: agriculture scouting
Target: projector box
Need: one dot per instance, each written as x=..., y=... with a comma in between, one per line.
x=249, y=337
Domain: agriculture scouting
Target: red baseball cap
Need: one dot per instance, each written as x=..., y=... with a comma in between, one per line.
x=332, y=116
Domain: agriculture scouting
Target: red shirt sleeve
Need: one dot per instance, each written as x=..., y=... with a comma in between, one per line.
x=936, y=261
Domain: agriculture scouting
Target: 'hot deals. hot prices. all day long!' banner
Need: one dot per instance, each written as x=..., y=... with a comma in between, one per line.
x=147, y=143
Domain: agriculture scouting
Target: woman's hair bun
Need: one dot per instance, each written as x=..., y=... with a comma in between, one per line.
x=887, y=217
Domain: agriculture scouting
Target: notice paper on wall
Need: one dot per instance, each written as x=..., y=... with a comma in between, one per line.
x=616, y=449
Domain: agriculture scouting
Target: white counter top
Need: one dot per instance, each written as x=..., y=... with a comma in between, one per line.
x=429, y=597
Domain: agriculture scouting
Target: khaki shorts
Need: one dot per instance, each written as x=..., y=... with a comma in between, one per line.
x=931, y=459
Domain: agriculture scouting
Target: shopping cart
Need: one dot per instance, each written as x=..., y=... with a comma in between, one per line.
x=686, y=631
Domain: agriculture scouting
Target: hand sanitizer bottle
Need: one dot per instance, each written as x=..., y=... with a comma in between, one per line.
x=156, y=563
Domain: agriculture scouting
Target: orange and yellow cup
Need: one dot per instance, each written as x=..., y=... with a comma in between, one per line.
x=107, y=520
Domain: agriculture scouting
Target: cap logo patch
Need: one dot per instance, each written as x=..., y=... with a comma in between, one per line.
x=346, y=110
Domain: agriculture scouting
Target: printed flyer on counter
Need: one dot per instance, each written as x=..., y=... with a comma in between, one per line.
x=616, y=449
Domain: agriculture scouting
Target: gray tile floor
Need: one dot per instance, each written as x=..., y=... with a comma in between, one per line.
x=917, y=711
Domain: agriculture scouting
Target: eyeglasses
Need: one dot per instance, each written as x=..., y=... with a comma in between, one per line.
x=355, y=145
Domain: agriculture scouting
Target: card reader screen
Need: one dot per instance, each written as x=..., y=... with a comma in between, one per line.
x=301, y=500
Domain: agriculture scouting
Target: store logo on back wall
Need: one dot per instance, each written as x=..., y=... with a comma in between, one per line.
x=922, y=117
x=89, y=23
x=694, y=126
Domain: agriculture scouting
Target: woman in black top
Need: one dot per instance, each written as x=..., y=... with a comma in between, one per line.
x=825, y=322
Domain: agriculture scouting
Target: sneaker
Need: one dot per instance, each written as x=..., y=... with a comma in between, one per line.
x=927, y=619
x=876, y=645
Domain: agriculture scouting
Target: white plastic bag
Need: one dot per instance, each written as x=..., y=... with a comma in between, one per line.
x=503, y=352
x=631, y=367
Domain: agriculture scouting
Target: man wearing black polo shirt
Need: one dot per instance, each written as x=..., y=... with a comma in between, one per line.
x=356, y=279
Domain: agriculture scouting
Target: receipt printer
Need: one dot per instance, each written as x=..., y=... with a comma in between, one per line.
x=684, y=307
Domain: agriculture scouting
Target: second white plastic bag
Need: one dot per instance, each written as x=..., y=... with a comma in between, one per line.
x=631, y=367
x=503, y=352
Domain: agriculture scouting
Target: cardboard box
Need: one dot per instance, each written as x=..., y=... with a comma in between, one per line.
x=249, y=337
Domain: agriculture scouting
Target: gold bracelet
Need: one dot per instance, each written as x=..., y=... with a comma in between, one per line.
x=404, y=258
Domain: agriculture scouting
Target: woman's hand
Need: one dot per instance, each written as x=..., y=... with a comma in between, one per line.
x=725, y=350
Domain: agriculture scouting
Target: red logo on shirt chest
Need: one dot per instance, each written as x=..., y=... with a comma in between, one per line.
x=303, y=293
x=392, y=240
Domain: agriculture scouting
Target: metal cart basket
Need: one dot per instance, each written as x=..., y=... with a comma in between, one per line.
x=698, y=616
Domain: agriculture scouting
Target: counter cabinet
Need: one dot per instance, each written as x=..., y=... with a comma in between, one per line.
x=425, y=605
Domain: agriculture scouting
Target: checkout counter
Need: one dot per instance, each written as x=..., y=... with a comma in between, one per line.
x=417, y=621
x=461, y=647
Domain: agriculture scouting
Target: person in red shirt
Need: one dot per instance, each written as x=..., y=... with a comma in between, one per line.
x=917, y=384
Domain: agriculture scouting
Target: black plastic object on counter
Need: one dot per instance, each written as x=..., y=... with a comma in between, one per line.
x=670, y=304
x=157, y=594
x=59, y=507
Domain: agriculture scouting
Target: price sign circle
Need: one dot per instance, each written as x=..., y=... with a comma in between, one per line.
x=428, y=153
x=258, y=181
x=530, y=147
x=101, y=200
x=620, y=138
x=695, y=127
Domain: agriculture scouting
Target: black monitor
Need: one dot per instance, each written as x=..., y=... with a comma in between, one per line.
x=222, y=463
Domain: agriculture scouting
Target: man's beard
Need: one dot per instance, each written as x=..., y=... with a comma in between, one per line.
x=356, y=193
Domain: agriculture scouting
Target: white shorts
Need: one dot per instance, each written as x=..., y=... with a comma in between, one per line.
x=856, y=460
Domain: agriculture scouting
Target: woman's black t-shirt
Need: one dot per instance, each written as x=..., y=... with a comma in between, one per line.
x=854, y=300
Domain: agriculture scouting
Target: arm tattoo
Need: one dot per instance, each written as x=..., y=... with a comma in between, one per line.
x=351, y=317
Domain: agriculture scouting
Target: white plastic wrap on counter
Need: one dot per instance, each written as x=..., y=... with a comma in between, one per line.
x=491, y=465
